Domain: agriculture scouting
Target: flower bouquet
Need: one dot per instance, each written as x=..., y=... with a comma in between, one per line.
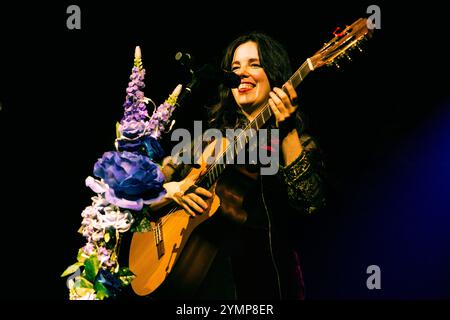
x=127, y=179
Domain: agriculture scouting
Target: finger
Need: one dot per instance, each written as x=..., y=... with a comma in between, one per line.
x=286, y=101
x=278, y=116
x=188, y=210
x=181, y=202
x=202, y=203
x=292, y=93
x=283, y=96
x=279, y=103
x=203, y=192
x=192, y=204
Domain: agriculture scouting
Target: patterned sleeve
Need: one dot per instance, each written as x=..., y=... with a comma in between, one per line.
x=304, y=178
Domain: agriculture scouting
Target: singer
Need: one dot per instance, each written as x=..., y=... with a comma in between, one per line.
x=256, y=258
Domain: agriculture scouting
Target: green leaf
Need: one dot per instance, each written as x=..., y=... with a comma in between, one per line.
x=125, y=271
x=81, y=256
x=83, y=283
x=126, y=280
x=142, y=225
x=101, y=291
x=71, y=269
x=125, y=276
x=91, y=266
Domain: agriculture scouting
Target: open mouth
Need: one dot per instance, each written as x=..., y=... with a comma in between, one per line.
x=245, y=87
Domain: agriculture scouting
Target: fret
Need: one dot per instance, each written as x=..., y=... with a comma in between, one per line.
x=296, y=78
x=304, y=71
x=218, y=170
x=268, y=111
x=262, y=116
x=251, y=134
x=258, y=126
x=300, y=74
x=214, y=173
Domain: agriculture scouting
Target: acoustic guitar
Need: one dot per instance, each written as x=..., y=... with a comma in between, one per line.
x=171, y=250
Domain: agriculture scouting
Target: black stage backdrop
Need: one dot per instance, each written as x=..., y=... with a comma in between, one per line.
x=383, y=121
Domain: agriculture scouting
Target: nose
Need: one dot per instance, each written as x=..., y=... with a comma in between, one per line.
x=242, y=71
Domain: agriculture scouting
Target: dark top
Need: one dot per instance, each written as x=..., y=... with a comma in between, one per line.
x=257, y=259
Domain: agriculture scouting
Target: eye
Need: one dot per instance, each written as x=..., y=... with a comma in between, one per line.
x=255, y=65
x=234, y=68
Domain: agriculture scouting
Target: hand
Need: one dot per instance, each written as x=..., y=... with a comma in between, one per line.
x=188, y=195
x=283, y=104
x=193, y=201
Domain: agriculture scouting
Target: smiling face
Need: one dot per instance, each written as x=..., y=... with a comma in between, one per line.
x=254, y=89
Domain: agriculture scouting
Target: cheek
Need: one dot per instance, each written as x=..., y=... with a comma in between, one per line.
x=264, y=88
x=262, y=80
x=234, y=92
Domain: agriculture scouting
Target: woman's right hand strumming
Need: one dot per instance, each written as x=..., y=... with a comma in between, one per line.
x=192, y=198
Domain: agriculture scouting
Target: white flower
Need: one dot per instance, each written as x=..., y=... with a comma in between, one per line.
x=89, y=212
x=96, y=185
x=113, y=217
x=73, y=295
x=99, y=201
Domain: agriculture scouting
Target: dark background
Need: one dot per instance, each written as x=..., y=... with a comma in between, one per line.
x=383, y=121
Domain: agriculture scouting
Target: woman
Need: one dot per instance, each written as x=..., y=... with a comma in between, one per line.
x=258, y=259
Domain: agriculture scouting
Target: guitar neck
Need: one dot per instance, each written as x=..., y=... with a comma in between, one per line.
x=215, y=169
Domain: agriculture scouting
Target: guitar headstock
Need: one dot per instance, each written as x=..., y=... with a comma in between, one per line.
x=342, y=44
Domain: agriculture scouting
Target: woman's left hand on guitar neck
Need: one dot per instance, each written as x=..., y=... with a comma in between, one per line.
x=284, y=103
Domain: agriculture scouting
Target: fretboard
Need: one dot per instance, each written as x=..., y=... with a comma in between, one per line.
x=215, y=169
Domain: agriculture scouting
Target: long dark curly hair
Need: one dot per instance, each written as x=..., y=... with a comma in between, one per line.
x=274, y=60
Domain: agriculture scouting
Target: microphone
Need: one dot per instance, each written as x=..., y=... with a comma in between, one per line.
x=212, y=75
x=208, y=73
x=186, y=60
x=231, y=79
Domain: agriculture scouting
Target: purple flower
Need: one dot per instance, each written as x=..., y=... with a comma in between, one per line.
x=132, y=129
x=145, y=145
x=135, y=139
x=135, y=109
x=159, y=121
x=133, y=179
x=153, y=148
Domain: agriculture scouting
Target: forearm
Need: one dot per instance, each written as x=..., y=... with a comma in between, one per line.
x=303, y=178
x=291, y=148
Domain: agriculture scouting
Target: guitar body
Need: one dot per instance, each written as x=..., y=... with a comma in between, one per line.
x=147, y=263
x=190, y=243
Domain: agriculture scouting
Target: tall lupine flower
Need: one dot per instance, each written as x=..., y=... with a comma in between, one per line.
x=159, y=121
x=134, y=105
